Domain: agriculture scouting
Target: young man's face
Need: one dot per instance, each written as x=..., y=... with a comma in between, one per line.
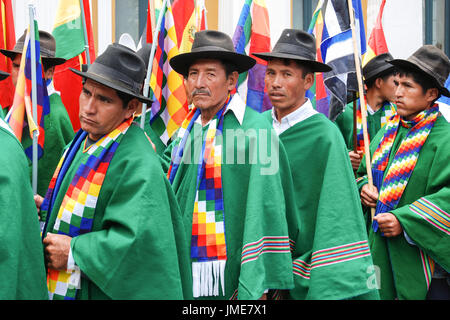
x=15, y=68
x=286, y=86
x=410, y=98
x=207, y=85
x=101, y=109
x=48, y=74
x=388, y=87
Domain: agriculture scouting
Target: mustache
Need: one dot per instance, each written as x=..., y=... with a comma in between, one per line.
x=200, y=91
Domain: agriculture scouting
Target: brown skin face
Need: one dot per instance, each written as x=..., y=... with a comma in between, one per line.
x=410, y=98
x=207, y=86
x=101, y=109
x=48, y=74
x=286, y=86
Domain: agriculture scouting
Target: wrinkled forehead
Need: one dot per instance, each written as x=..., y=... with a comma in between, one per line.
x=207, y=64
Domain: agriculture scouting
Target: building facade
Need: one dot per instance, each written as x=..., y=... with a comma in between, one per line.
x=407, y=24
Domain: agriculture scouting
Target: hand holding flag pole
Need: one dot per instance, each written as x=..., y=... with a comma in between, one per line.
x=362, y=100
x=150, y=62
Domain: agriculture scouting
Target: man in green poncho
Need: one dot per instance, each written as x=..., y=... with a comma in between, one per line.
x=113, y=228
x=410, y=234
x=22, y=271
x=331, y=257
x=57, y=126
x=233, y=188
x=379, y=79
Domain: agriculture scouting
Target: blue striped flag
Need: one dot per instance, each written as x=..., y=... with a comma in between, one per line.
x=333, y=33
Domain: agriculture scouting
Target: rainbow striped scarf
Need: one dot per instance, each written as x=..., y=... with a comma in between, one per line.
x=76, y=213
x=387, y=110
x=395, y=180
x=208, y=248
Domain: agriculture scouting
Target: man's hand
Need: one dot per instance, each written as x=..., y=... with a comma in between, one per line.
x=388, y=224
x=38, y=201
x=355, y=159
x=369, y=196
x=57, y=248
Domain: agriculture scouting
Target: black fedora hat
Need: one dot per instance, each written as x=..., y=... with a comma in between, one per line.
x=377, y=66
x=430, y=61
x=210, y=44
x=296, y=45
x=119, y=68
x=47, y=44
x=144, y=53
x=3, y=75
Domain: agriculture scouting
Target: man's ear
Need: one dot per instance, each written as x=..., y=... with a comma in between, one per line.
x=49, y=73
x=432, y=94
x=309, y=81
x=132, y=107
x=232, y=80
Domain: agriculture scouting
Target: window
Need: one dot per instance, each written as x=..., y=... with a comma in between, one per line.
x=302, y=11
x=437, y=21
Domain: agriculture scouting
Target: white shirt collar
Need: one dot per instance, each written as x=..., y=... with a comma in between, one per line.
x=304, y=112
x=236, y=105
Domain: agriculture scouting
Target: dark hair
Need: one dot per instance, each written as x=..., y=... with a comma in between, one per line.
x=306, y=69
x=422, y=79
x=125, y=97
x=383, y=75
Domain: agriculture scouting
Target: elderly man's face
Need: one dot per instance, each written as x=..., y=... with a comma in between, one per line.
x=101, y=109
x=207, y=84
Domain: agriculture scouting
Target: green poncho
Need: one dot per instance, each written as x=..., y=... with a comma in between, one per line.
x=423, y=211
x=345, y=124
x=136, y=249
x=58, y=133
x=331, y=258
x=257, y=196
x=22, y=270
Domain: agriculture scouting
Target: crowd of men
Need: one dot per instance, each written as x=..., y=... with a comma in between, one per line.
x=240, y=204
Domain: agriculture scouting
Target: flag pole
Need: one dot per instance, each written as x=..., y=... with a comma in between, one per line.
x=33, y=99
x=362, y=101
x=86, y=40
x=150, y=62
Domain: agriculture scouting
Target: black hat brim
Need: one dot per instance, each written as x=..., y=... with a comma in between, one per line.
x=316, y=66
x=182, y=62
x=111, y=85
x=52, y=61
x=378, y=71
x=3, y=75
x=409, y=65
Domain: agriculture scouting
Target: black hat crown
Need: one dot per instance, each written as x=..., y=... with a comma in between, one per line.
x=431, y=61
x=297, y=45
x=119, y=68
x=47, y=44
x=211, y=44
x=377, y=66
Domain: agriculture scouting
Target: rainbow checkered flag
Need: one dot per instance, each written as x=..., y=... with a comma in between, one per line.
x=170, y=106
x=23, y=98
x=255, y=34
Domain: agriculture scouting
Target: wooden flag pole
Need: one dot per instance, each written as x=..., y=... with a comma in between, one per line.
x=150, y=62
x=362, y=100
x=33, y=100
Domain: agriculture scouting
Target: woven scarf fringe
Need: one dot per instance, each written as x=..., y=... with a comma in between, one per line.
x=206, y=276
